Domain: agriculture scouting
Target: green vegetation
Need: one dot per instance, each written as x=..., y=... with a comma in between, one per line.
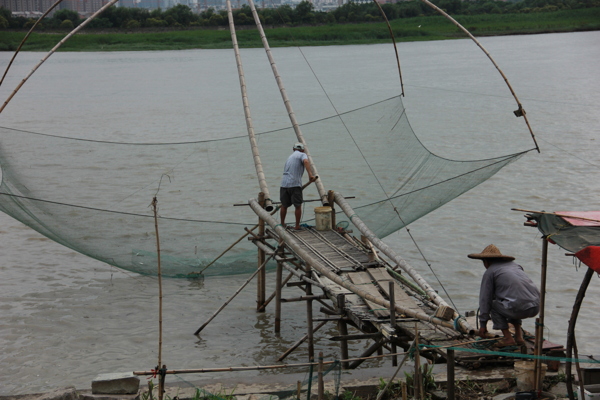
x=179, y=28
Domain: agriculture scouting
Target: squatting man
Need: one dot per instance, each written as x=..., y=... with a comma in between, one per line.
x=507, y=295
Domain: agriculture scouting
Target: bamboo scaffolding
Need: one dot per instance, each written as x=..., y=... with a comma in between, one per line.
x=385, y=249
x=286, y=102
x=262, y=181
x=317, y=265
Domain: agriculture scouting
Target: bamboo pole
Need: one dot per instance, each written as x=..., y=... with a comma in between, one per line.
x=309, y=317
x=316, y=264
x=520, y=112
x=262, y=181
x=160, y=299
x=286, y=102
x=343, y=328
x=233, y=296
x=321, y=388
x=73, y=32
x=387, y=385
x=262, y=276
x=571, y=329
x=539, y=326
x=278, y=284
x=37, y=22
x=300, y=341
x=393, y=42
x=384, y=248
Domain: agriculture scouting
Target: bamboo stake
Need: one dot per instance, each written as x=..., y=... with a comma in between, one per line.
x=300, y=341
x=321, y=388
x=262, y=181
x=27, y=37
x=74, y=31
x=248, y=232
x=278, y=284
x=309, y=317
x=262, y=276
x=286, y=101
x=539, y=337
x=234, y=295
x=315, y=263
x=520, y=112
x=571, y=329
x=387, y=385
x=160, y=299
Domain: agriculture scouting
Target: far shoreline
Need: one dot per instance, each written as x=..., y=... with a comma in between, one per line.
x=425, y=28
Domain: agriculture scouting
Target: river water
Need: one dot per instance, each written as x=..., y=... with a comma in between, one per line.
x=64, y=318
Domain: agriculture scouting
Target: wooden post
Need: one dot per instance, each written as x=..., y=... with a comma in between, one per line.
x=539, y=322
x=343, y=329
x=278, y=297
x=331, y=201
x=393, y=320
x=450, y=373
x=309, y=318
x=260, y=282
x=417, y=381
x=321, y=390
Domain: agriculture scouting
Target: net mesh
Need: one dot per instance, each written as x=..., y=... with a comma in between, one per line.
x=95, y=197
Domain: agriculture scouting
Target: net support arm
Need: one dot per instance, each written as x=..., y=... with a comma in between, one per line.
x=520, y=112
x=73, y=32
x=287, y=103
x=262, y=181
x=317, y=265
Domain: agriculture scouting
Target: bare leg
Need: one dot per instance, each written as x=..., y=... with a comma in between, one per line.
x=508, y=339
x=282, y=214
x=518, y=334
x=298, y=214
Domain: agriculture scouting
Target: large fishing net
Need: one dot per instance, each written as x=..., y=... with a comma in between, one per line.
x=95, y=197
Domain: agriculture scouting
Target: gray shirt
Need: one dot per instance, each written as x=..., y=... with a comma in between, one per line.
x=506, y=282
x=293, y=170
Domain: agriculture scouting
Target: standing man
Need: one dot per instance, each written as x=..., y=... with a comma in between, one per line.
x=291, y=183
x=507, y=295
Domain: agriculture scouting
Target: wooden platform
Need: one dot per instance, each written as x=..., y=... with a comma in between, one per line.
x=352, y=260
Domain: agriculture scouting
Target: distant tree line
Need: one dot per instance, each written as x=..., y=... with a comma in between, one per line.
x=181, y=16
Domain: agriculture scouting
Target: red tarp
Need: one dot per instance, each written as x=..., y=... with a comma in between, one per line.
x=586, y=218
x=590, y=256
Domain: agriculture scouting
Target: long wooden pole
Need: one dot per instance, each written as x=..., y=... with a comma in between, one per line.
x=53, y=50
x=520, y=112
x=539, y=337
x=160, y=299
x=233, y=296
x=571, y=329
x=52, y=7
x=286, y=101
x=262, y=181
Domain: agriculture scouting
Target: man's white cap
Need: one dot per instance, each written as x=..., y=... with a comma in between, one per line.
x=298, y=146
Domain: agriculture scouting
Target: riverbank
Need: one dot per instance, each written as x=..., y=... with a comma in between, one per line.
x=405, y=29
x=497, y=383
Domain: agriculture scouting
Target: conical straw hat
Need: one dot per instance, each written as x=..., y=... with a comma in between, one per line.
x=490, y=252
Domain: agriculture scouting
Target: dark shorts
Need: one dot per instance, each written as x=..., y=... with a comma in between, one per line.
x=289, y=196
x=501, y=316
